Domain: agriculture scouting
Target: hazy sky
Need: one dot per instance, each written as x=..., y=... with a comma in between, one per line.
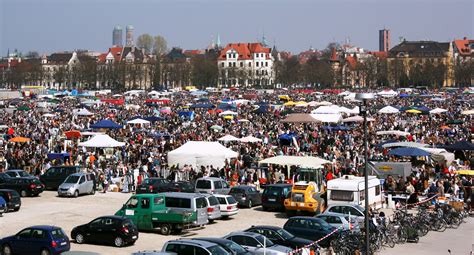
x=295, y=25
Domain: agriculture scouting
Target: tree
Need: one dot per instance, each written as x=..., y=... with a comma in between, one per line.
x=60, y=75
x=155, y=71
x=145, y=41
x=463, y=72
x=88, y=72
x=316, y=71
x=288, y=71
x=326, y=53
x=32, y=54
x=204, y=70
x=160, y=46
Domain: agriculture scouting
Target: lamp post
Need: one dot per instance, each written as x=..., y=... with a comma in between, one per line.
x=364, y=97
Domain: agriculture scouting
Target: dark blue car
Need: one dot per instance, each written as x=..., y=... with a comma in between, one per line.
x=44, y=240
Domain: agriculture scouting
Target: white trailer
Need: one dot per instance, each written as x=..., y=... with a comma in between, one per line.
x=350, y=189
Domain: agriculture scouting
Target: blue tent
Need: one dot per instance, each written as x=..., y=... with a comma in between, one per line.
x=422, y=108
x=408, y=152
x=263, y=109
x=186, y=114
x=162, y=135
x=58, y=155
x=154, y=118
x=135, y=117
x=460, y=146
x=402, y=95
x=106, y=124
x=225, y=107
x=204, y=106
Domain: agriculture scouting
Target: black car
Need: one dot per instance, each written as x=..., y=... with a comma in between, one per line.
x=246, y=195
x=308, y=227
x=280, y=236
x=26, y=186
x=181, y=186
x=115, y=230
x=56, y=175
x=154, y=185
x=17, y=173
x=12, y=198
x=228, y=245
x=274, y=196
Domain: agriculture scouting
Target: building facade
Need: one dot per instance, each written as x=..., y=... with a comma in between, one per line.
x=384, y=40
x=245, y=65
x=117, y=37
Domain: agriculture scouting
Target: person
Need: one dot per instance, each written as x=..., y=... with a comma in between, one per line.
x=3, y=204
x=413, y=198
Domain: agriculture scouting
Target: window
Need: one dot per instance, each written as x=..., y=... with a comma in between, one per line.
x=172, y=247
x=336, y=209
x=354, y=211
x=225, y=185
x=256, y=72
x=313, y=224
x=132, y=202
x=158, y=200
x=361, y=195
x=231, y=200
x=200, y=251
x=222, y=64
x=82, y=179
x=201, y=202
x=178, y=202
x=241, y=64
x=25, y=233
x=298, y=223
x=186, y=249
x=377, y=190
x=222, y=200
x=297, y=197
x=230, y=64
x=203, y=184
x=234, y=64
x=266, y=63
x=250, y=64
x=145, y=203
x=342, y=195
x=217, y=184
x=108, y=221
x=249, y=241
x=38, y=234
x=256, y=64
x=215, y=250
x=238, y=239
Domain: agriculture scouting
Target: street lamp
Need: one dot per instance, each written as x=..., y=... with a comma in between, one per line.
x=364, y=97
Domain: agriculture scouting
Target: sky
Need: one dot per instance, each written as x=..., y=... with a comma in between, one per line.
x=48, y=26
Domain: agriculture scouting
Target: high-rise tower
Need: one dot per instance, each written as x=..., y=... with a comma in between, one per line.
x=384, y=40
x=117, y=39
x=129, y=36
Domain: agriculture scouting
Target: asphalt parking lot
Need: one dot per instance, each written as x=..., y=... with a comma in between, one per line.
x=70, y=212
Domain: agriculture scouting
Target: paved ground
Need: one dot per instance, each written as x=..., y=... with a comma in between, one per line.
x=70, y=212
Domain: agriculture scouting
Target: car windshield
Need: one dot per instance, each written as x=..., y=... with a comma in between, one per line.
x=213, y=200
x=203, y=184
x=285, y=234
x=231, y=200
x=23, y=174
x=217, y=250
x=360, y=208
x=324, y=223
x=57, y=233
x=261, y=239
x=272, y=191
x=72, y=179
x=152, y=181
x=235, y=247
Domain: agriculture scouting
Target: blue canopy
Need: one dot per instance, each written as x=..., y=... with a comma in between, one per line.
x=288, y=136
x=460, y=146
x=204, y=106
x=225, y=106
x=263, y=109
x=106, y=124
x=58, y=155
x=135, y=117
x=162, y=135
x=422, y=108
x=154, y=118
x=404, y=95
x=408, y=152
x=199, y=93
x=186, y=114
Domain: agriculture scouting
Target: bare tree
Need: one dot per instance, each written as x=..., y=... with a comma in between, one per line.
x=160, y=46
x=146, y=42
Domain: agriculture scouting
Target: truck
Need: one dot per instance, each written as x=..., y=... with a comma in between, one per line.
x=305, y=197
x=149, y=212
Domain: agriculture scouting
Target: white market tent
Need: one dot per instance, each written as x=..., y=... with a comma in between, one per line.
x=88, y=133
x=357, y=118
x=301, y=161
x=228, y=138
x=438, y=110
x=468, y=112
x=327, y=109
x=200, y=153
x=327, y=118
x=102, y=141
x=250, y=139
x=387, y=93
x=389, y=109
x=225, y=113
x=138, y=121
x=405, y=144
x=82, y=112
x=393, y=132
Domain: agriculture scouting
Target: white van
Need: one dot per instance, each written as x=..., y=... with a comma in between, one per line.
x=350, y=190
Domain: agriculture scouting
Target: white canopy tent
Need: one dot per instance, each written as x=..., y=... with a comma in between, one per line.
x=327, y=118
x=82, y=112
x=225, y=113
x=200, y=153
x=138, y=121
x=393, y=132
x=357, y=118
x=405, y=144
x=228, y=138
x=438, y=110
x=102, y=141
x=301, y=161
x=250, y=139
x=387, y=93
x=389, y=109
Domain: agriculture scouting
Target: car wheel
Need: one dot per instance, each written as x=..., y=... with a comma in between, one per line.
x=45, y=252
x=16, y=209
x=79, y=238
x=6, y=250
x=264, y=208
x=249, y=204
x=76, y=193
x=118, y=242
x=165, y=229
x=211, y=221
x=23, y=193
x=92, y=191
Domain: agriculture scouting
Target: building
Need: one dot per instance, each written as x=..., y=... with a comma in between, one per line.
x=463, y=49
x=117, y=37
x=464, y=61
x=245, y=64
x=407, y=62
x=129, y=36
x=384, y=40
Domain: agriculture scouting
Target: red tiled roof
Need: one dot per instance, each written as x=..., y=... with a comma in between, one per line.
x=463, y=46
x=352, y=62
x=192, y=52
x=102, y=57
x=245, y=50
x=379, y=54
x=115, y=51
x=334, y=55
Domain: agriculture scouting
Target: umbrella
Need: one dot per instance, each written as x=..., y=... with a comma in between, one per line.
x=461, y=146
x=357, y=118
x=138, y=121
x=48, y=115
x=465, y=172
x=19, y=139
x=393, y=132
x=228, y=138
x=217, y=128
x=250, y=139
x=409, y=152
x=204, y=106
x=154, y=118
x=106, y=124
x=455, y=122
x=290, y=103
x=243, y=120
x=228, y=117
x=413, y=111
x=227, y=113
x=438, y=110
x=72, y=134
x=58, y=155
x=389, y=109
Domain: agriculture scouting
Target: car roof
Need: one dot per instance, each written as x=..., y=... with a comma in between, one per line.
x=265, y=227
x=213, y=239
x=304, y=217
x=182, y=194
x=78, y=174
x=202, y=243
x=44, y=227
x=210, y=178
x=221, y=195
x=243, y=187
x=278, y=185
x=242, y=233
x=114, y=217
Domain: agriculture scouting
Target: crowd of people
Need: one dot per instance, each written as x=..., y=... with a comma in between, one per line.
x=147, y=145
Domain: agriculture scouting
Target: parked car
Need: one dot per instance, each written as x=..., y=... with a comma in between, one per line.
x=189, y=246
x=274, y=195
x=182, y=186
x=245, y=195
x=338, y=220
x=213, y=207
x=77, y=184
x=153, y=253
x=115, y=230
x=56, y=175
x=280, y=236
x=227, y=204
x=228, y=245
x=44, y=240
x=257, y=243
x=310, y=228
x=18, y=173
x=355, y=211
x=154, y=185
x=25, y=186
x=12, y=199
x=212, y=185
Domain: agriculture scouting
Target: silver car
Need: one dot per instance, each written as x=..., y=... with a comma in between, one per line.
x=355, y=211
x=257, y=243
x=213, y=207
x=77, y=184
x=338, y=220
x=212, y=185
